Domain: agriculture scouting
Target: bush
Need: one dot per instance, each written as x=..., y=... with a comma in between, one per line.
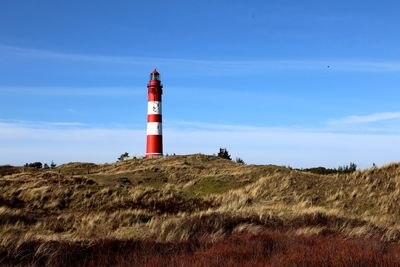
x=123, y=156
x=53, y=165
x=240, y=161
x=36, y=165
x=352, y=167
x=223, y=153
x=320, y=170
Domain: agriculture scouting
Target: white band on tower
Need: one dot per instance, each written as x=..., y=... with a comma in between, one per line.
x=154, y=128
x=154, y=107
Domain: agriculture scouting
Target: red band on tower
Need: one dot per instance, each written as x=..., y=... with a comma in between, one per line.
x=154, y=118
x=154, y=147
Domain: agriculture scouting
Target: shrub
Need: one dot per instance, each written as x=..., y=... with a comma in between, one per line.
x=223, y=153
x=352, y=167
x=321, y=170
x=53, y=165
x=240, y=161
x=123, y=156
x=37, y=165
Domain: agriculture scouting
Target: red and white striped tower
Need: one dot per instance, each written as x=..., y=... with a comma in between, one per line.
x=154, y=147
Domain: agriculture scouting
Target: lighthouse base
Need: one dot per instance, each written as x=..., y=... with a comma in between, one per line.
x=154, y=155
x=154, y=146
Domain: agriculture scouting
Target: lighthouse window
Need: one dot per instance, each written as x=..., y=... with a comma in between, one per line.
x=154, y=76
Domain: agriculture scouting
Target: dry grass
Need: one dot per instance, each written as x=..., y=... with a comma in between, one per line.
x=196, y=197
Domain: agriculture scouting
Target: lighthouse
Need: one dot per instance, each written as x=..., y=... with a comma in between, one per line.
x=154, y=146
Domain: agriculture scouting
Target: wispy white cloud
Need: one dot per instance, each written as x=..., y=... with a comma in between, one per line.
x=21, y=124
x=220, y=67
x=369, y=118
x=68, y=123
x=207, y=126
x=22, y=142
x=41, y=53
x=73, y=91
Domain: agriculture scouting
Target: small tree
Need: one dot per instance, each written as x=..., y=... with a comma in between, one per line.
x=46, y=166
x=123, y=156
x=223, y=153
x=240, y=161
x=352, y=167
x=53, y=165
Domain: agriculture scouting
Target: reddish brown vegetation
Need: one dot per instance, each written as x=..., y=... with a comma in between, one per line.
x=8, y=170
x=265, y=249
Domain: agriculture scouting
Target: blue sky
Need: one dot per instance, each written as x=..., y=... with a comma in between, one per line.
x=300, y=83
